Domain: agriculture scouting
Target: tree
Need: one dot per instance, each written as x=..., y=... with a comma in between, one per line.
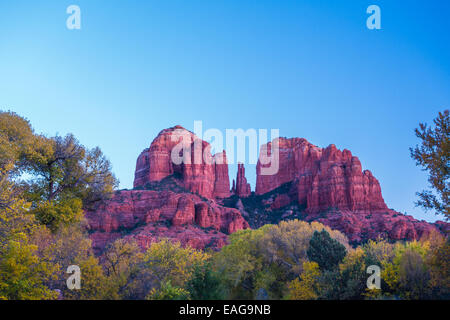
x=307, y=287
x=433, y=154
x=414, y=276
x=123, y=264
x=267, y=258
x=287, y=243
x=406, y=275
x=16, y=139
x=324, y=250
x=439, y=264
x=204, y=284
x=168, y=261
x=70, y=245
x=58, y=176
x=65, y=179
x=239, y=263
x=23, y=275
x=94, y=285
x=69, y=170
x=168, y=292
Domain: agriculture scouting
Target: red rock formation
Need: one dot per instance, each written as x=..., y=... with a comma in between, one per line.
x=148, y=216
x=329, y=183
x=222, y=180
x=335, y=191
x=240, y=187
x=323, y=178
x=280, y=201
x=360, y=226
x=200, y=172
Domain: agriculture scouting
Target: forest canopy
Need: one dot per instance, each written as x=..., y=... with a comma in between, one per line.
x=46, y=184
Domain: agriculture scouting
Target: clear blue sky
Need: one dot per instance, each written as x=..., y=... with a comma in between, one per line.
x=310, y=68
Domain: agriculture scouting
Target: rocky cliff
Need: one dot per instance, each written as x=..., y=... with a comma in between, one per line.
x=200, y=172
x=182, y=192
x=177, y=181
x=329, y=186
x=322, y=178
x=240, y=186
x=149, y=215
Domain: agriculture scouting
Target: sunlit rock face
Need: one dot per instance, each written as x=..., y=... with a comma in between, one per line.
x=148, y=216
x=329, y=186
x=177, y=185
x=322, y=178
x=200, y=172
x=190, y=201
x=240, y=186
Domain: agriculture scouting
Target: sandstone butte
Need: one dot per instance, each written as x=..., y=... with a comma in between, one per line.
x=240, y=186
x=186, y=202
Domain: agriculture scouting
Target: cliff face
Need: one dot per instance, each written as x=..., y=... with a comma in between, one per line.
x=189, y=201
x=201, y=172
x=147, y=216
x=240, y=186
x=329, y=186
x=323, y=178
x=178, y=181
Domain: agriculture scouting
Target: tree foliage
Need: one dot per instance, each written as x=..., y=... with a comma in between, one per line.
x=324, y=250
x=308, y=286
x=168, y=292
x=267, y=258
x=168, y=261
x=433, y=155
x=57, y=176
x=205, y=284
x=47, y=183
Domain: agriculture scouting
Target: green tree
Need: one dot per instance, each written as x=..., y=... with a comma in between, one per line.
x=168, y=292
x=58, y=176
x=16, y=139
x=241, y=263
x=433, y=154
x=205, y=284
x=69, y=170
x=168, y=261
x=324, y=250
x=266, y=258
x=51, y=181
x=406, y=275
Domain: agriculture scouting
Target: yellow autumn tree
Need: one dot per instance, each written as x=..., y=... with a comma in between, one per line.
x=23, y=275
x=167, y=260
x=307, y=286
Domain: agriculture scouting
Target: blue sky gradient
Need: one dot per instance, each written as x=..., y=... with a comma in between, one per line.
x=309, y=68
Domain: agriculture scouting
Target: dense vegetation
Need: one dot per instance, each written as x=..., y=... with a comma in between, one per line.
x=433, y=155
x=47, y=182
